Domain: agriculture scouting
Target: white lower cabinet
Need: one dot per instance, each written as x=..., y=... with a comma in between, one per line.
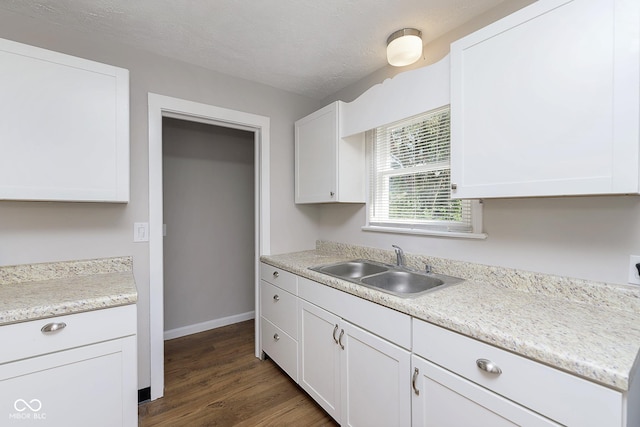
x=84, y=373
x=278, y=321
x=444, y=399
x=359, y=378
x=455, y=371
x=374, y=380
x=368, y=365
x=319, y=355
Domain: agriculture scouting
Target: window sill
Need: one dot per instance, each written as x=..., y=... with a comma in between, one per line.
x=421, y=232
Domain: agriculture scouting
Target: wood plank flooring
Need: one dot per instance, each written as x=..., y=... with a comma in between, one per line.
x=214, y=379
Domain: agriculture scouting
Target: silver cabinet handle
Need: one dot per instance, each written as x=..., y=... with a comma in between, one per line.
x=340, y=339
x=454, y=186
x=52, y=327
x=416, y=372
x=276, y=297
x=276, y=337
x=488, y=366
x=332, y=193
x=275, y=274
x=334, y=333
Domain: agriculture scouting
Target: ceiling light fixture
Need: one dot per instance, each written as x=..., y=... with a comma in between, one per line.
x=404, y=47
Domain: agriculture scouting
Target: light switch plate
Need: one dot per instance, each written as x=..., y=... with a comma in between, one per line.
x=140, y=231
x=634, y=277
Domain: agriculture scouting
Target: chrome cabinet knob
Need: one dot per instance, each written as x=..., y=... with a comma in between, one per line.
x=276, y=337
x=488, y=366
x=52, y=327
x=454, y=186
x=276, y=297
x=275, y=274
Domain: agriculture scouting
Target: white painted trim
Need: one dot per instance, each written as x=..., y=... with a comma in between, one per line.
x=210, y=324
x=164, y=106
x=424, y=232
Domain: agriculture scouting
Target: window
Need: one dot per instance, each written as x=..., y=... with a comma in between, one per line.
x=410, y=181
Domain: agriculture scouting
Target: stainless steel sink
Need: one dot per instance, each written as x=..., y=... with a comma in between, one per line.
x=395, y=280
x=353, y=269
x=402, y=283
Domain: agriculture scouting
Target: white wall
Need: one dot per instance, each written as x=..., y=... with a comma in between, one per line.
x=583, y=237
x=208, y=177
x=37, y=232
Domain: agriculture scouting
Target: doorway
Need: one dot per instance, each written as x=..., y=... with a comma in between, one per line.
x=166, y=107
x=208, y=208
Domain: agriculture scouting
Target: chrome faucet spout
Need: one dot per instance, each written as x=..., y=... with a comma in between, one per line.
x=399, y=255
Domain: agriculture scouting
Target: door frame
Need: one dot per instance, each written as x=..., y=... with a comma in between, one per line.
x=163, y=106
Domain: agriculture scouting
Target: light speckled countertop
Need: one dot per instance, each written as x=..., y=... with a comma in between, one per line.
x=585, y=328
x=37, y=291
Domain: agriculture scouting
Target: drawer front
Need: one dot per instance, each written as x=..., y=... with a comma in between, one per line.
x=280, y=347
x=279, y=307
x=27, y=340
x=282, y=279
x=558, y=395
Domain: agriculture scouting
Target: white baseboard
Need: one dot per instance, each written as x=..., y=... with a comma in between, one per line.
x=210, y=324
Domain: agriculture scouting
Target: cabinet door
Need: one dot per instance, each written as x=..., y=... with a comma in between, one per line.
x=91, y=385
x=443, y=399
x=65, y=127
x=545, y=102
x=316, y=157
x=320, y=356
x=375, y=381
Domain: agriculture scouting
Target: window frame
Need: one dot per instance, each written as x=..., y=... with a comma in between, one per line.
x=431, y=228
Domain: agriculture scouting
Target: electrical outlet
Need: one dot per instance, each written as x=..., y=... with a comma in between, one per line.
x=634, y=277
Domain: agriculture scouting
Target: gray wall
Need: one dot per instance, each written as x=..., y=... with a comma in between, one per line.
x=583, y=237
x=38, y=232
x=208, y=178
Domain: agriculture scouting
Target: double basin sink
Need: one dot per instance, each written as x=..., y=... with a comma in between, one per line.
x=395, y=280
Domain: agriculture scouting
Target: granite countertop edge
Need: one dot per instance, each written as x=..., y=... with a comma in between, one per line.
x=435, y=308
x=40, y=291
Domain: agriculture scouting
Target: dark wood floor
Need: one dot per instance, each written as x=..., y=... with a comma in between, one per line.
x=214, y=379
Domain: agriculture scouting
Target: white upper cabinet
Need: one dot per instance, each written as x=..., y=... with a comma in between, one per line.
x=64, y=129
x=328, y=168
x=545, y=102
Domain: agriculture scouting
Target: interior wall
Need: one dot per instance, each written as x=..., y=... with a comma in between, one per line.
x=209, y=212
x=583, y=237
x=41, y=231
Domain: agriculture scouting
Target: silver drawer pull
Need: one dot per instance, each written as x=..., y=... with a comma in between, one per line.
x=275, y=274
x=276, y=337
x=488, y=366
x=52, y=327
x=416, y=372
x=334, y=333
x=276, y=297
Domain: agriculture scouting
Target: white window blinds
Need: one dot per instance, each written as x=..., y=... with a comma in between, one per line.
x=410, y=181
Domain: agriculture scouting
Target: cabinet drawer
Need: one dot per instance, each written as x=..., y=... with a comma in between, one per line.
x=558, y=395
x=279, y=307
x=280, y=347
x=26, y=339
x=282, y=279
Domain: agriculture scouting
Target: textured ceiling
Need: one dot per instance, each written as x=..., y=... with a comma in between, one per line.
x=310, y=47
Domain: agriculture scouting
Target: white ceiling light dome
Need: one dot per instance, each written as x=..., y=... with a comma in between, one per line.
x=404, y=47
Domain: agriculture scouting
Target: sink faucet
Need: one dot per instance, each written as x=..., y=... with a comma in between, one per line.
x=399, y=255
